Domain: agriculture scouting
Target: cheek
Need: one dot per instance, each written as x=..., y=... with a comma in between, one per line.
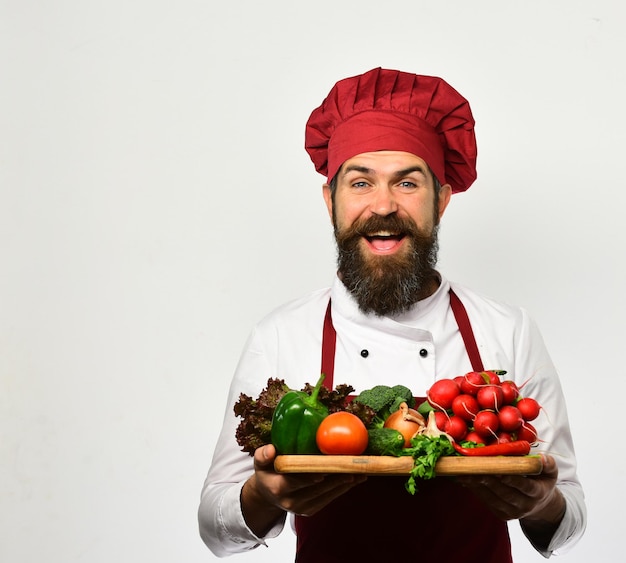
x=344, y=215
x=425, y=215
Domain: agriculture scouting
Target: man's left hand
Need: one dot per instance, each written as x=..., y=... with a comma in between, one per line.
x=532, y=498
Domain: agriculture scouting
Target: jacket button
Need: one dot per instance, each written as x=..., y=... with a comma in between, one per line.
x=423, y=352
x=364, y=353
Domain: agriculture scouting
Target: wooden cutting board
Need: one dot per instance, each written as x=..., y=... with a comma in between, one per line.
x=389, y=465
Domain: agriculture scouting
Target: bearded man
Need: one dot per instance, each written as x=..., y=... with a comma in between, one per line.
x=393, y=147
x=385, y=259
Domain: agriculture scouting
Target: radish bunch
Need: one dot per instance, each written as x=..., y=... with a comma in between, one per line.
x=479, y=407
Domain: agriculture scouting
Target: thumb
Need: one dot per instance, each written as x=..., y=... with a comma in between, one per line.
x=550, y=467
x=264, y=456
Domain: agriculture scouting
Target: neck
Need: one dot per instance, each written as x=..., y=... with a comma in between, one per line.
x=431, y=284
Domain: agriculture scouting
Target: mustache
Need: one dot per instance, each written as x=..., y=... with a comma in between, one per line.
x=403, y=226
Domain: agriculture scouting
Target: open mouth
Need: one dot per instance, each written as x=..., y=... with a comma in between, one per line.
x=384, y=241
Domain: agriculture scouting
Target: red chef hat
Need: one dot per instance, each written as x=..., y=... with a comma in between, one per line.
x=393, y=110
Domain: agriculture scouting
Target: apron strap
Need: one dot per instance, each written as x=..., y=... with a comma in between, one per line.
x=465, y=327
x=329, y=342
x=329, y=339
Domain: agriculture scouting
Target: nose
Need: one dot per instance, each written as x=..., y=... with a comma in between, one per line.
x=383, y=202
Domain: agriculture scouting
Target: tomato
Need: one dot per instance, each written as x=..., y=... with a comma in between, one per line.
x=342, y=433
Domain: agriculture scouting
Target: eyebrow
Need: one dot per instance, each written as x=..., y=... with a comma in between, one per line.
x=397, y=174
x=410, y=170
x=356, y=168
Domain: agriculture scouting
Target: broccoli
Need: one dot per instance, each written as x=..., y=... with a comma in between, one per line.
x=384, y=400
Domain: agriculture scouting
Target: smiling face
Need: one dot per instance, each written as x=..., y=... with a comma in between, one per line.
x=385, y=210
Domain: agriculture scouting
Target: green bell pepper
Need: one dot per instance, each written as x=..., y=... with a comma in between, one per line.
x=296, y=420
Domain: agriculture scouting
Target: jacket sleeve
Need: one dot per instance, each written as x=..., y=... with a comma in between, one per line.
x=542, y=382
x=221, y=522
x=509, y=339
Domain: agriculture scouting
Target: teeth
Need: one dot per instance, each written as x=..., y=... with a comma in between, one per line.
x=382, y=234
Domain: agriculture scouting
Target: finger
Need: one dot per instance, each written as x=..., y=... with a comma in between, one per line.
x=332, y=495
x=519, y=491
x=550, y=468
x=504, y=501
x=264, y=456
x=309, y=500
x=504, y=506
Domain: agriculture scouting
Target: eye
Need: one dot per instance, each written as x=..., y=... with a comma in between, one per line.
x=407, y=184
x=360, y=184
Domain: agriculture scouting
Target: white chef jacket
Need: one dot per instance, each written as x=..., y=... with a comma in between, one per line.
x=414, y=349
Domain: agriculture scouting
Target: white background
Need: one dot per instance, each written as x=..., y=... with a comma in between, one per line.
x=156, y=201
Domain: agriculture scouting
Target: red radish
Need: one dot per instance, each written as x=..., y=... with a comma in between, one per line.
x=472, y=382
x=441, y=418
x=442, y=393
x=493, y=377
x=510, y=392
x=510, y=418
x=465, y=406
x=475, y=437
x=459, y=380
x=486, y=423
x=527, y=432
x=529, y=408
x=456, y=427
x=504, y=437
x=490, y=397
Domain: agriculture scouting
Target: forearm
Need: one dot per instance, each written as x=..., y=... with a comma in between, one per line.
x=571, y=527
x=223, y=527
x=260, y=516
x=541, y=525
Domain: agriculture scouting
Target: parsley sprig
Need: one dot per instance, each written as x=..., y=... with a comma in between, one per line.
x=426, y=451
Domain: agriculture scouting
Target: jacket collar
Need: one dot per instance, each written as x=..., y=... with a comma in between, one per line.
x=345, y=305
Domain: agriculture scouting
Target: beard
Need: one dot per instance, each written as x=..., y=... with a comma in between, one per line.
x=387, y=284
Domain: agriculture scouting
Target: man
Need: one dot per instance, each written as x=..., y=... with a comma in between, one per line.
x=394, y=147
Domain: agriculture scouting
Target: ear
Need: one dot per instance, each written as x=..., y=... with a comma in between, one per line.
x=328, y=198
x=444, y=198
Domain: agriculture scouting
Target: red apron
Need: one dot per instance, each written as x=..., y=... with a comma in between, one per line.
x=379, y=521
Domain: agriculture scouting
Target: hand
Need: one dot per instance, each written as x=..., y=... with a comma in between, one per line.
x=267, y=495
x=533, y=498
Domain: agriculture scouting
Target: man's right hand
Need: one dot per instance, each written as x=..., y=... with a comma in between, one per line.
x=267, y=495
